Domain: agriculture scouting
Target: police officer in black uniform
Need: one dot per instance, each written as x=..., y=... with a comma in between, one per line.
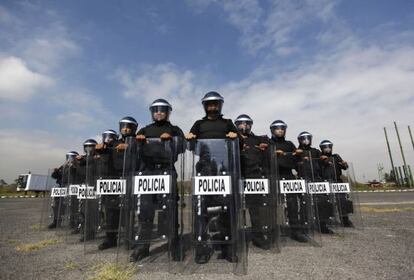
x=287, y=161
x=332, y=170
x=58, y=202
x=109, y=203
x=155, y=159
x=71, y=168
x=253, y=163
x=213, y=126
x=122, y=166
x=309, y=168
x=88, y=212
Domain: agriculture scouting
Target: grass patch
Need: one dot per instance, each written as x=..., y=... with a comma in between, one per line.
x=25, y=248
x=13, y=241
x=113, y=271
x=36, y=227
x=71, y=266
x=385, y=210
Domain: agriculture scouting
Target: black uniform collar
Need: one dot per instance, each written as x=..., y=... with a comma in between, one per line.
x=161, y=123
x=278, y=139
x=220, y=117
x=305, y=148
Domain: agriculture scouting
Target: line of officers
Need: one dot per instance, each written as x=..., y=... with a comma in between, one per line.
x=292, y=162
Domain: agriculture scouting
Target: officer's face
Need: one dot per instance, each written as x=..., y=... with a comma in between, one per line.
x=244, y=127
x=306, y=141
x=89, y=149
x=212, y=106
x=327, y=150
x=160, y=116
x=126, y=130
x=279, y=132
x=108, y=139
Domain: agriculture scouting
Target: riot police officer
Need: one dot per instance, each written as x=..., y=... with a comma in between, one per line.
x=71, y=168
x=155, y=158
x=58, y=202
x=253, y=164
x=106, y=170
x=213, y=126
x=309, y=168
x=122, y=167
x=88, y=208
x=287, y=161
x=332, y=170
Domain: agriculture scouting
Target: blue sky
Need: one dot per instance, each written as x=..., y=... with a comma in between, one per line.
x=71, y=69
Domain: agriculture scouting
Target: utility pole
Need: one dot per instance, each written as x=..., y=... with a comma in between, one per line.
x=389, y=153
x=411, y=136
x=403, y=157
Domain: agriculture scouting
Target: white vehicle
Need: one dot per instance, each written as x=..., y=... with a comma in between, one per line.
x=35, y=182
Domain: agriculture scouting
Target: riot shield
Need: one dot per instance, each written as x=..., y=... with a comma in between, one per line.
x=89, y=205
x=125, y=164
x=260, y=198
x=155, y=212
x=347, y=199
x=214, y=238
x=298, y=216
x=319, y=185
x=50, y=215
x=66, y=225
x=109, y=188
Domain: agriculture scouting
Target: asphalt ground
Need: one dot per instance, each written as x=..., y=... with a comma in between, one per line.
x=382, y=249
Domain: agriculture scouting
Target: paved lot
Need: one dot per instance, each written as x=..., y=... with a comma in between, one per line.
x=383, y=249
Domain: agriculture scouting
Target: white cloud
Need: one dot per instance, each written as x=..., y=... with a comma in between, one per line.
x=36, y=151
x=49, y=47
x=164, y=81
x=18, y=82
x=273, y=26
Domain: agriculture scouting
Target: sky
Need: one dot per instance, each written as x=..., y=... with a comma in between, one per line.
x=342, y=70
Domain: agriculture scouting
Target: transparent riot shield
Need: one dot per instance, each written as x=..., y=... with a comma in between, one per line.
x=64, y=227
x=49, y=218
x=260, y=199
x=319, y=185
x=125, y=164
x=298, y=216
x=90, y=205
x=346, y=198
x=109, y=188
x=214, y=238
x=155, y=225
x=73, y=221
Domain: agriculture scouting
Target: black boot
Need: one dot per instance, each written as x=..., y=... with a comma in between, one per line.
x=107, y=243
x=52, y=225
x=228, y=253
x=347, y=222
x=140, y=252
x=299, y=236
x=261, y=241
x=325, y=229
x=203, y=254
